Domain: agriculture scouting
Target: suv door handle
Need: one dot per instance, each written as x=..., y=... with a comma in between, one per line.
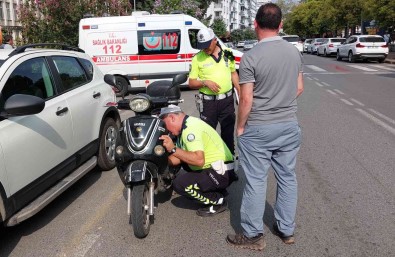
x=60, y=111
x=96, y=95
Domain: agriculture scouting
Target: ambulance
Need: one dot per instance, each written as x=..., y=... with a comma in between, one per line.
x=143, y=47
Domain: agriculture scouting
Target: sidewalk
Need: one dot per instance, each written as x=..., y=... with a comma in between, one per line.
x=390, y=58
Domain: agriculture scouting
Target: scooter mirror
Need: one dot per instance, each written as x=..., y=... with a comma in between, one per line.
x=179, y=79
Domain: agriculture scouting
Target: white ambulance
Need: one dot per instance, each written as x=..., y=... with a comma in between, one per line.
x=142, y=48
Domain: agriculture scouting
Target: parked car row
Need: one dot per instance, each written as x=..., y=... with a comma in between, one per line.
x=248, y=44
x=356, y=47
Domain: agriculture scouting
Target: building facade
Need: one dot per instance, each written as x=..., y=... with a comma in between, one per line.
x=9, y=18
x=237, y=14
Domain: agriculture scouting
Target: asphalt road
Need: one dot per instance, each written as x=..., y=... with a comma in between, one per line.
x=346, y=175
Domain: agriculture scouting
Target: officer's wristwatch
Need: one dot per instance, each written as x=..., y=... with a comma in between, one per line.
x=173, y=150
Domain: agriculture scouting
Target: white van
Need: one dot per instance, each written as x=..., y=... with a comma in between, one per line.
x=142, y=48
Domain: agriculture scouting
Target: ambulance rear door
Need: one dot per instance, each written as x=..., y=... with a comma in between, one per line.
x=112, y=44
x=161, y=48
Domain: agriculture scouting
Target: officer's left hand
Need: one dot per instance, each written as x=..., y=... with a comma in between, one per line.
x=212, y=86
x=167, y=142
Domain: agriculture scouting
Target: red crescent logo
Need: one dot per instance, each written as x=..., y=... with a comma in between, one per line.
x=151, y=46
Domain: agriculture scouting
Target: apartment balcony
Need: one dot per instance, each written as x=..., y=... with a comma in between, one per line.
x=217, y=6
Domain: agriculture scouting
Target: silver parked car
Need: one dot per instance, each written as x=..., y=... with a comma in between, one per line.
x=306, y=44
x=312, y=48
x=248, y=44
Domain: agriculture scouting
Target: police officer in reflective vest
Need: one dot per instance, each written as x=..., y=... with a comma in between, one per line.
x=209, y=163
x=213, y=71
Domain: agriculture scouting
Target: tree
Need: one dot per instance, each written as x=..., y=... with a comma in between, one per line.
x=219, y=27
x=56, y=21
x=189, y=7
x=237, y=35
x=382, y=11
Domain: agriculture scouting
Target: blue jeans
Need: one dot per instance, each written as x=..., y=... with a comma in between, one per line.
x=262, y=146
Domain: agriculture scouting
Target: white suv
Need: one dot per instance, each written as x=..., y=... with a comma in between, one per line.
x=57, y=122
x=364, y=47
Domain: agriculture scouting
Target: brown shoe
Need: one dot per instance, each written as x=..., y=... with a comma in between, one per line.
x=286, y=239
x=241, y=241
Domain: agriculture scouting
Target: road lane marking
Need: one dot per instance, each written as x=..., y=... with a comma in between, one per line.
x=377, y=121
x=309, y=78
x=338, y=91
x=357, y=102
x=382, y=116
x=361, y=67
x=382, y=67
x=330, y=91
x=347, y=102
x=319, y=84
x=314, y=68
x=97, y=215
x=87, y=242
x=316, y=79
x=326, y=84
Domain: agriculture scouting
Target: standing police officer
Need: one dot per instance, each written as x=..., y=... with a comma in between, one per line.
x=213, y=71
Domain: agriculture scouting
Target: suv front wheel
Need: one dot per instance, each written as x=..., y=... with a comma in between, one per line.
x=338, y=57
x=351, y=57
x=108, y=138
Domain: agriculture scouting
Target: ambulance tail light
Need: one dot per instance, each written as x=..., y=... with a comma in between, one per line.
x=84, y=27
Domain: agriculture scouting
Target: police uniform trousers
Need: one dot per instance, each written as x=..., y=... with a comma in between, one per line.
x=204, y=186
x=222, y=111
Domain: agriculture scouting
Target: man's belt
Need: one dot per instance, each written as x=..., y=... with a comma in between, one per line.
x=216, y=97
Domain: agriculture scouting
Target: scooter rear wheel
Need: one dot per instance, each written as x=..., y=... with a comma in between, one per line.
x=140, y=218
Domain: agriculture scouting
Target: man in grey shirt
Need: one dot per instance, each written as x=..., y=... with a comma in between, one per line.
x=271, y=78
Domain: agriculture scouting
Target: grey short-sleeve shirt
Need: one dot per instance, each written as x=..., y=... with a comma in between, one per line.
x=273, y=65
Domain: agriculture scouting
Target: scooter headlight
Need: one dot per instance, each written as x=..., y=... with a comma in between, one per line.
x=159, y=150
x=139, y=104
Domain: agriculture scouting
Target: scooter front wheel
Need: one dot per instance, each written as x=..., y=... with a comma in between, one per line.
x=139, y=217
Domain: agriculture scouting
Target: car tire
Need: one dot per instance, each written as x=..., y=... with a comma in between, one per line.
x=381, y=60
x=325, y=54
x=107, y=143
x=338, y=56
x=351, y=57
x=317, y=53
x=122, y=84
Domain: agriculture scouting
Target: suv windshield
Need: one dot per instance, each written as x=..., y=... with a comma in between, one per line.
x=292, y=39
x=371, y=39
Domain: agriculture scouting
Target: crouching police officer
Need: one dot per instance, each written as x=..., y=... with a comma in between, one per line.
x=210, y=167
x=213, y=72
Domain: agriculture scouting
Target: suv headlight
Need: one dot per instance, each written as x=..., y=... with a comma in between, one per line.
x=139, y=104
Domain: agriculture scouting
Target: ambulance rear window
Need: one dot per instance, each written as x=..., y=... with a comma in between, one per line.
x=159, y=42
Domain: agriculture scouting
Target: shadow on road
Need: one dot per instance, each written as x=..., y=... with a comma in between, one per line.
x=235, y=198
x=12, y=235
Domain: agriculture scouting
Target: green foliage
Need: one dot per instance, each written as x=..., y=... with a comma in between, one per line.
x=45, y=21
x=242, y=34
x=318, y=17
x=49, y=21
x=249, y=34
x=237, y=35
x=219, y=27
